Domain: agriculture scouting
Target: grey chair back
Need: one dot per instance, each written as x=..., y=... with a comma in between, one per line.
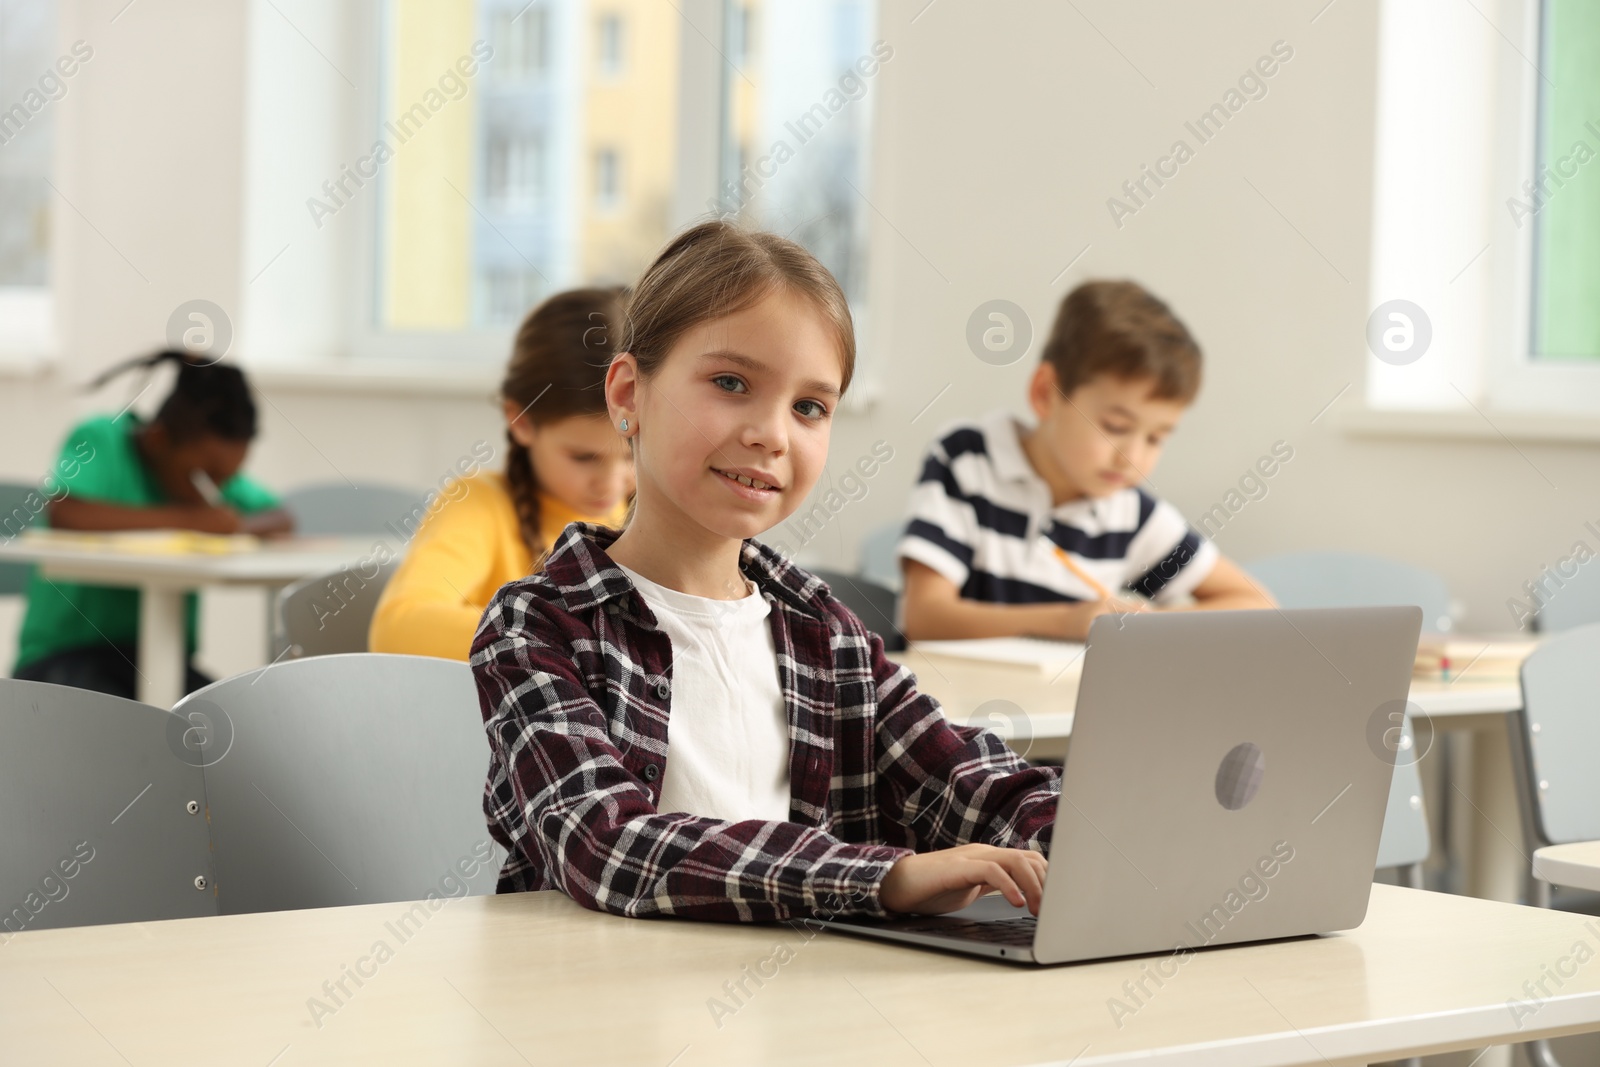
x=328, y=614
x=1405, y=841
x=1575, y=602
x=1354, y=579
x=878, y=562
x=102, y=811
x=338, y=508
x=1557, y=738
x=354, y=779
x=873, y=604
x=16, y=515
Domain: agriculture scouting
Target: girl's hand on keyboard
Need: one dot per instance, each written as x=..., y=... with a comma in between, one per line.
x=932, y=883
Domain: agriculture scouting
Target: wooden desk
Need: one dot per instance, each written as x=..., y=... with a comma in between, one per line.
x=533, y=978
x=163, y=580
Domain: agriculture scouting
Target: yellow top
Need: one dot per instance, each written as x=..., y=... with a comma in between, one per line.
x=464, y=551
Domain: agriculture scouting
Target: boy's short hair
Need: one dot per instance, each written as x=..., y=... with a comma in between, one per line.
x=1120, y=328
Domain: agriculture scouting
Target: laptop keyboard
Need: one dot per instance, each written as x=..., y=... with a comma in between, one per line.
x=994, y=931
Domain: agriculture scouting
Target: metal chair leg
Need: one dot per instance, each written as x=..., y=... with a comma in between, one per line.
x=1539, y=1054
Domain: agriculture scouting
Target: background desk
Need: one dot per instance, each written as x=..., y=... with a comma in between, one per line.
x=533, y=978
x=163, y=580
x=1039, y=715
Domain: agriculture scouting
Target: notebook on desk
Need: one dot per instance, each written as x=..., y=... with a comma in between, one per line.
x=146, y=542
x=1050, y=657
x=1226, y=783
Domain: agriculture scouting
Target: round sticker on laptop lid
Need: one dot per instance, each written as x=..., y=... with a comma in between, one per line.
x=1239, y=775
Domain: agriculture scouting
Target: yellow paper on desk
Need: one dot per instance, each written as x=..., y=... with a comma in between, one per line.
x=150, y=542
x=1448, y=657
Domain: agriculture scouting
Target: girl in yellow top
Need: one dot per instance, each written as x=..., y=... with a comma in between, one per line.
x=565, y=463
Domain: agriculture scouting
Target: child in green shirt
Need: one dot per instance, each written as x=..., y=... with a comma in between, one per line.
x=122, y=473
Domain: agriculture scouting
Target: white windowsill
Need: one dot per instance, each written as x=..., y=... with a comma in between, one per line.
x=1436, y=424
x=380, y=377
x=26, y=363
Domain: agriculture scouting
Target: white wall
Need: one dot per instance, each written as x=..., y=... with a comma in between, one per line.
x=1003, y=127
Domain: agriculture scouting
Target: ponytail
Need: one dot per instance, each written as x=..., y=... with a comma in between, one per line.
x=208, y=399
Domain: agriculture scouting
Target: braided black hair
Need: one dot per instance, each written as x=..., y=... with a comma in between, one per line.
x=208, y=399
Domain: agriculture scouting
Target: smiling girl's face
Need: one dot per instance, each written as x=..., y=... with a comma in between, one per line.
x=733, y=428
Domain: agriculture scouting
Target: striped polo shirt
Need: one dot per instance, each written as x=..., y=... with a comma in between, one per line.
x=981, y=516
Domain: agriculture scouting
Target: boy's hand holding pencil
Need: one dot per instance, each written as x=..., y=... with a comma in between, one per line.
x=1080, y=616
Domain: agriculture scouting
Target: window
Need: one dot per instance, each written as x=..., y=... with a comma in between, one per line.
x=515, y=181
x=30, y=84
x=453, y=162
x=799, y=122
x=523, y=54
x=1486, y=200
x=610, y=36
x=1565, y=199
x=607, y=183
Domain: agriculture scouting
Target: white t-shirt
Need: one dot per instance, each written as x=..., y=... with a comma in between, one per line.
x=727, y=729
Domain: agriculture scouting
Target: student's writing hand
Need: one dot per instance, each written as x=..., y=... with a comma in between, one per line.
x=1076, y=618
x=274, y=523
x=207, y=519
x=932, y=883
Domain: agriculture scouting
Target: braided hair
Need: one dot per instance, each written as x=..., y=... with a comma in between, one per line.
x=557, y=371
x=207, y=399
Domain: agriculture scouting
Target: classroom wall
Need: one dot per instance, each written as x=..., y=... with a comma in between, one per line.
x=1002, y=129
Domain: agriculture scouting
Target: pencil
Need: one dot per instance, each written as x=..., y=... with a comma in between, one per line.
x=1081, y=574
x=206, y=487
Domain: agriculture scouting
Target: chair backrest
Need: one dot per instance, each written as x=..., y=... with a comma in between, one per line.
x=1575, y=602
x=1354, y=579
x=102, y=811
x=352, y=779
x=338, y=508
x=1559, y=728
x=16, y=515
x=878, y=562
x=328, y=614
x=873, y=604
x=1405, y=839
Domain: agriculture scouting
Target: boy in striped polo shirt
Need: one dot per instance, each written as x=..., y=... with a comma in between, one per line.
x=1017, y=530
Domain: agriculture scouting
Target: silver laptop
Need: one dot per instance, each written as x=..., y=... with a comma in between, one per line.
x=1226, y=782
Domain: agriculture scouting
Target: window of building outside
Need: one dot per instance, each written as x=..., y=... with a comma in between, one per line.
x=556, y=162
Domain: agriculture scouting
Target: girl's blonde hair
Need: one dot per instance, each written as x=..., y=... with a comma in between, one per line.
x=716, y=269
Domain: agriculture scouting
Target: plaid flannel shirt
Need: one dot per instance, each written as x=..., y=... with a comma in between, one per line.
x=574, y=678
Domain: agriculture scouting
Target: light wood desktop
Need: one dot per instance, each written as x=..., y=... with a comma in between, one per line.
x=534, y=978
x=163, y=578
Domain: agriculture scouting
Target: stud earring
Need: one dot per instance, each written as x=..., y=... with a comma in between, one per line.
x=624, y=426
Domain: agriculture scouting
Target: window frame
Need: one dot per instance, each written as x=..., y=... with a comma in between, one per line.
x=1490, y=373
x=1517, y=379
x=29, y=329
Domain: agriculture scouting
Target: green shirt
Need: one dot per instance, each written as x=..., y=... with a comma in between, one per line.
x=101, y=462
